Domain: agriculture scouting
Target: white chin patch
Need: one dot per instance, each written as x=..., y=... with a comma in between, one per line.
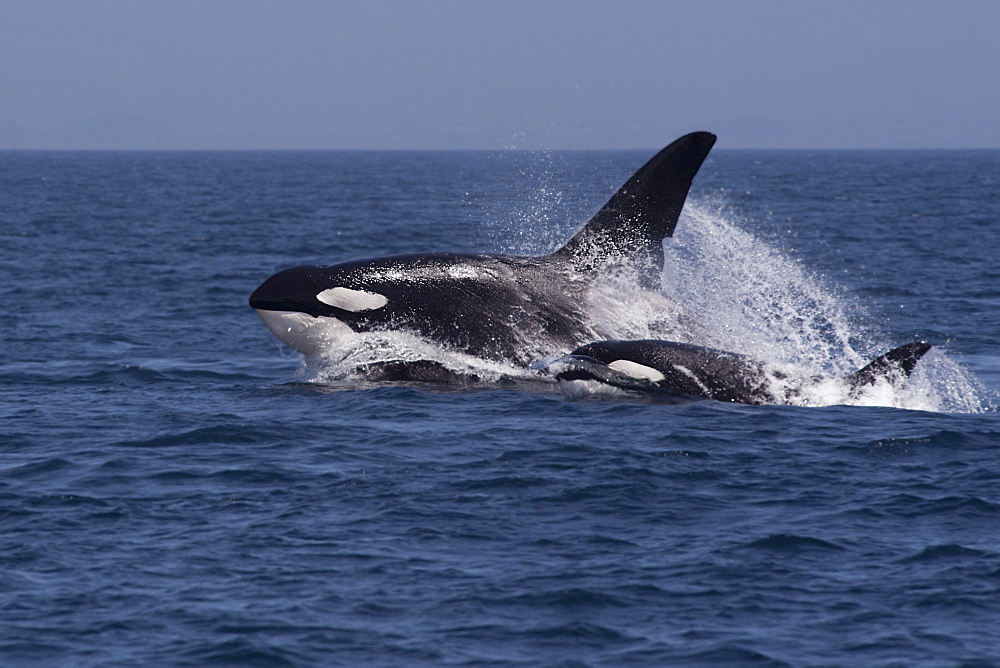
x=636, y=370
x=352, y=300
x=303, y=332
x=581, y=389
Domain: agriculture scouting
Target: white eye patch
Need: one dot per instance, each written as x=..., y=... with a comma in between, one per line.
x=636, y=370
x=352, y=300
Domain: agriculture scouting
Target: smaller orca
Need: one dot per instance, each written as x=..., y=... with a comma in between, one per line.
x=675, y=370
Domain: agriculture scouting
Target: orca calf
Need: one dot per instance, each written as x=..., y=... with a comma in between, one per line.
x=498, y=307
x=677, y=370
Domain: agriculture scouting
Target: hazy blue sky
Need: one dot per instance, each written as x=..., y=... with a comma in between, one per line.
x=467, y=74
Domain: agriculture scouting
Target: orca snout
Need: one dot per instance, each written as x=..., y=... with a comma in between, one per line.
x=291, y=305
x=289, y=290
x=317, y=291
x=310, y=308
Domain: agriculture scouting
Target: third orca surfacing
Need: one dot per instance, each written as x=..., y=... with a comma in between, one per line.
x=506, y=308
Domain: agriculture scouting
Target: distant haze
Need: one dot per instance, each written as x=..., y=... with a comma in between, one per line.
x=435, y=74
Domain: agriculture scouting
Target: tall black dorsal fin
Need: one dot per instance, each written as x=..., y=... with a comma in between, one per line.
x=634, y=222
x=897, y=364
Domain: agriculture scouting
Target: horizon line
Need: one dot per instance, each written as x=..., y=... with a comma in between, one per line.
x=469, y=150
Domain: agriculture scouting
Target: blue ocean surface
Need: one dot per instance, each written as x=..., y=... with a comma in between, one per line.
x=178, y=489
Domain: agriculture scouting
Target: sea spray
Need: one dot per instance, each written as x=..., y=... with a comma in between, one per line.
x=723, y=287
x=341, y=362
x=752, y=298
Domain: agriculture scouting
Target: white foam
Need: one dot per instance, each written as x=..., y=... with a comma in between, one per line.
x=339, y=360
x=727, y=289
x=751, y=298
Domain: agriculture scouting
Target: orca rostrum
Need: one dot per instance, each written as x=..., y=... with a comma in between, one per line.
x=684, y=370
x=507, y=308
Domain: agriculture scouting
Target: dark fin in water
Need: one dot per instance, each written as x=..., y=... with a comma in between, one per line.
x=634, y=222
x=897, y=364
x=419, y=371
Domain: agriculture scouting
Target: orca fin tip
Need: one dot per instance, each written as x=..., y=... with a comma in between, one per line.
x=644, y=211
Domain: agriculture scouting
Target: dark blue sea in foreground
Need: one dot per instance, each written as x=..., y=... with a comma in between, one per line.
x=175, y=489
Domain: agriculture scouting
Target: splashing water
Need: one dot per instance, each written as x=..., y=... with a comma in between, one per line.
x=755, y=300
x=722, y=288
x=748, y=297
x=343, y=359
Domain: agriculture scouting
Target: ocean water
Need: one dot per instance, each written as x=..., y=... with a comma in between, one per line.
x=177, y=489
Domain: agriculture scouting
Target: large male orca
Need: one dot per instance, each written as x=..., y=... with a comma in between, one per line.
x=500, y=307
x=679, y=370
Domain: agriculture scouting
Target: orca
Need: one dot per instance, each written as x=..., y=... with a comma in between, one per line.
x=507, y=308
x=681, y=370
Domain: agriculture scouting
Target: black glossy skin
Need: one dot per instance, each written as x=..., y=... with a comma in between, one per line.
x=500, y=307
x=713, y=374
x=716, y=374
x=492, y=306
